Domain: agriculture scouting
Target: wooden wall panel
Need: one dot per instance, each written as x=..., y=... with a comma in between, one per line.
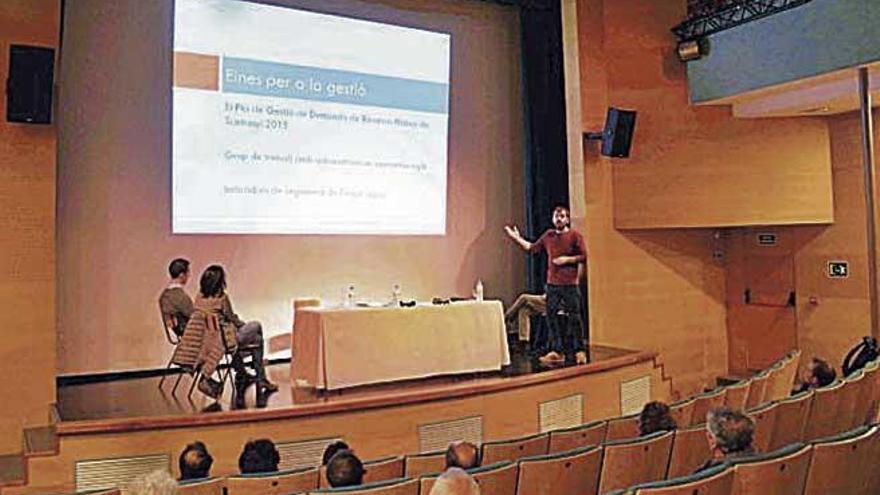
x=27, y=249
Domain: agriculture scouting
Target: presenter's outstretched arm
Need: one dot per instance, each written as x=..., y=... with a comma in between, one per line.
x=515, y=236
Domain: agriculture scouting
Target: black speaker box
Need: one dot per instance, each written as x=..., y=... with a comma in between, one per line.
x=29, y=86
x=618, y=134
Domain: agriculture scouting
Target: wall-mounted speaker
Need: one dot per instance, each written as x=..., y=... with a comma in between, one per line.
x=29, y=85
x=618, y=134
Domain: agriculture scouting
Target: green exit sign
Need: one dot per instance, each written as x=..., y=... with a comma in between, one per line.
x=838, y=269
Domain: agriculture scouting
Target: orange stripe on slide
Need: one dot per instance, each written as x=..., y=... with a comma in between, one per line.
x=196, y=71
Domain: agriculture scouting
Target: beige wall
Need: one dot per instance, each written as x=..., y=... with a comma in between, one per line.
x=27, y=256
x=114, y=240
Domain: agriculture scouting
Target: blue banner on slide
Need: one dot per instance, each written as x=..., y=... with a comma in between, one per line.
x=255, y=77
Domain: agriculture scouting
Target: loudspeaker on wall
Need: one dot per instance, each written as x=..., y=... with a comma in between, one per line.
x=618, y=133
x=29, y=85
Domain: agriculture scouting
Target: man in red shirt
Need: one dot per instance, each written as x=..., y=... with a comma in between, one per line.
x=565, y=251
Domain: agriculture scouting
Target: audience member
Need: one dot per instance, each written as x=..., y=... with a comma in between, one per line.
x=195, y=462
x=345, y=469
x=464, y=455
x=455, y=481
x=818, y=374
x=331, y=450
x=174, y=301
x=655, y=417
x=157, y=482
x=730, y=436
x=259, y=456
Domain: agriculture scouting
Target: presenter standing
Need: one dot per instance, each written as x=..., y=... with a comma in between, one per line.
x=565, y=251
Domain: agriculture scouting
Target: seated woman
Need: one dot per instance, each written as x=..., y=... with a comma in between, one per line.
x=655, y=417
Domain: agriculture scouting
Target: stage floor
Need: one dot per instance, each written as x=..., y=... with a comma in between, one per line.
x=141, y=398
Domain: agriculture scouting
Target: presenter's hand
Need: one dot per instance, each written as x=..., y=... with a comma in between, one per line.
x=564, y=260
x=512, y=232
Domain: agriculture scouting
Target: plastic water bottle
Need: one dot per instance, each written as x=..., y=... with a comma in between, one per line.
x=478, y=291
x=349, y=297
x=395, y=295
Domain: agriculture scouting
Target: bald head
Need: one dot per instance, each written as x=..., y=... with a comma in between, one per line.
x=463, y=455
x=455, y=481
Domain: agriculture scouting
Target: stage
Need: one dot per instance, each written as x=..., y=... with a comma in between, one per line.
x=132, y=419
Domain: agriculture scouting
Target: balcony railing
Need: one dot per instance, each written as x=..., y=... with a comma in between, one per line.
x=710, y=16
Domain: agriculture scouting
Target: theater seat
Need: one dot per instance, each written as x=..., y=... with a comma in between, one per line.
x=735, y=395
x=575, y=472
x=577, y=437
x=426, y=463
x=683, y=412
x=622, y=427
x=823, y=420
x=705, y=403
x=496, y=479
x=756, y=390
x=400, y=486
x=782, y=472
x=765, y=421
x=849, y=398
x=791, y=420
x=633, y=461
x=841, y=464
x=713, y=481
x=513, y=450
x=204, y=486
x=690, y=450
x=276, y=483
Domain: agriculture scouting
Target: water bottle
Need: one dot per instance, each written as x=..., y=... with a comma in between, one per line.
x=349, y=297
x=478, y=291
x=395, y=295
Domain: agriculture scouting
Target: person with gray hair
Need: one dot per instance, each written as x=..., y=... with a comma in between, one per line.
x=455, y=481
x=158, y=482
x=730, y=435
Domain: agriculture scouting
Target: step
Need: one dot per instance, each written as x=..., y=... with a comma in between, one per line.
x=40, y=441
x=12, y=470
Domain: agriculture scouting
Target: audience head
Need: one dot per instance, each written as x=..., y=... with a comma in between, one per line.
x=179, y=269
x=655, y=417
x=819, y=373
x=345, y=469
x=455, y=481
x=729, y=431
x=156, y=483
x=464, y=455
x=259, y=456
x=332, y=449
x=195, y=462
x=213, y=282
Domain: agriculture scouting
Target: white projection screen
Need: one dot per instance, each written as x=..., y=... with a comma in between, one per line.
x=292, y=122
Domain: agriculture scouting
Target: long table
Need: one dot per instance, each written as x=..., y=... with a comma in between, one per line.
x=336, y=348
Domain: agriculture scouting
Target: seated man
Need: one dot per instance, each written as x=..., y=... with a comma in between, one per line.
x=345, y=469
x=195, y=462
x=730, y=436
x=174, y=302
x=818, y=374
x=464, y=455
x=455, y=481
x=522, y=310
x=331, y=450
x=259, y=456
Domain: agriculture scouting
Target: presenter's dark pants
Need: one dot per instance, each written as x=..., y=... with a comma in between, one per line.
x=566, y=330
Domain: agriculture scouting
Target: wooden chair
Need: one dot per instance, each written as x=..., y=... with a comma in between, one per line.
x=277, y=483
x=791, y=420
x=577, y=437
x=204, y=486
x=735, y=395
x=823, y=420
x=783, y=472
x=853, y=387
x=839, y=464
x=401, y=486
x=683, y=412
x=622, y=427
x=756, y=390
x=629, y=462
x=513, y=450
x=705, y=403
x=780, y=385
x=416, y=465
x=575, y=472
x=765, y=422
x=496, y=479
x=387, y=468
x=713, y=481
x=169, y=322
x=690, y=450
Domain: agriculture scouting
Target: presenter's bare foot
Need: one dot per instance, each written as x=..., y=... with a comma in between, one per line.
x=551, y=357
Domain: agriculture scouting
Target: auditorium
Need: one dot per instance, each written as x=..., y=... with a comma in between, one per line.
x=475, y=247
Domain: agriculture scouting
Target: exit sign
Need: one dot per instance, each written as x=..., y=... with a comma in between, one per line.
x=838, y=269
x=767, y=239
